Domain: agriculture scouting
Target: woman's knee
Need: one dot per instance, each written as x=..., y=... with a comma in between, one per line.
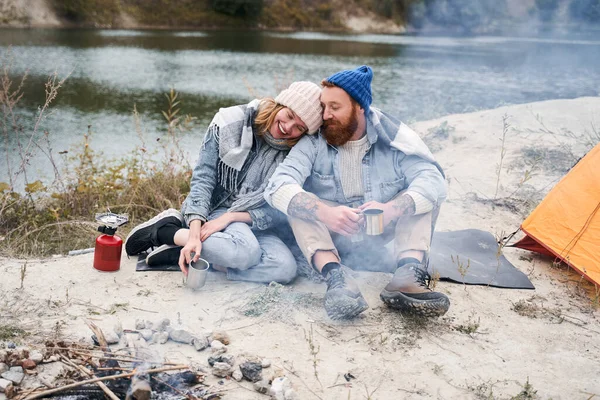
x=245, y=253
x=285, y=268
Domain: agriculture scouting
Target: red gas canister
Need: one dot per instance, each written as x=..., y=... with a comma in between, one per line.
x=107, y=254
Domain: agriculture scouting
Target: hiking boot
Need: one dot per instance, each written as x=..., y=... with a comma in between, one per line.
x=409, y=292
x=343, y=300
x=166, y=254
x=145, y=235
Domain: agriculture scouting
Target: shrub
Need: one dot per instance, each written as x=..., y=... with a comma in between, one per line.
x=238, y=8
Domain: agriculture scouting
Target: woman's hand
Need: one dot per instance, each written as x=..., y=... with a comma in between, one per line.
x=191, y=251
x=216, y=225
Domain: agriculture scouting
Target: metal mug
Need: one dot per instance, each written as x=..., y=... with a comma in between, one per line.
x=197, y=272
x=373, y=221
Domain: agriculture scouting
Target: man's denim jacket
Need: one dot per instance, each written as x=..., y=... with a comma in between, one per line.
x=313, y=164
x=206, y=194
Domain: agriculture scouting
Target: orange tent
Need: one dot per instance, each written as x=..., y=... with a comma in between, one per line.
x=566, y=224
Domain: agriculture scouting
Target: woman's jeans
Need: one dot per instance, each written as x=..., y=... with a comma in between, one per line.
x=249, y=255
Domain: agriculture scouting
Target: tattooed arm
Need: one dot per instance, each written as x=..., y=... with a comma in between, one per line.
x=403, y=206
x=340, y=219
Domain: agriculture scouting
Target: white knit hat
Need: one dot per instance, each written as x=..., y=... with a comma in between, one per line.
x=303, y=99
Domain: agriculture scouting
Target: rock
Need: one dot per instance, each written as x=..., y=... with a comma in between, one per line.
x=16, y=369
x=111, y=337
x=146, y=334
x=118, y=329
x=140, y=324
x=160, y=337
x=149, y=325
x=3, y=368
x=217, y=345
x=181, y=335
x=265, y=363
x=221, y=336
x=23, y=352
x=251, y=371
x=11, y=345
x=28, y=364
x=262, y=386
x=161, y=324
x=224, y=358
x=291, y=394
x=3, y=356
x=200, y=343
x=36, y=356
x=14, y=376
x=140, y=389
x=6, y=387
x=221, y=369
x=279, y=387
x=237, y=375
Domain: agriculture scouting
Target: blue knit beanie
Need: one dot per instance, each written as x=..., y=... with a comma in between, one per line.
x=357, y=83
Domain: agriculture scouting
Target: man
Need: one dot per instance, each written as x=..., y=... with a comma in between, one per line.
x=363, y=158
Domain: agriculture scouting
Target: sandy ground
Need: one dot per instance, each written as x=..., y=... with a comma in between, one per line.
x=482, y=349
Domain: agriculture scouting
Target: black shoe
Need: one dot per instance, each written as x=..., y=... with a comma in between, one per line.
x=409, y=292
x=164, y=255
x=343, y=299
x=145, y=236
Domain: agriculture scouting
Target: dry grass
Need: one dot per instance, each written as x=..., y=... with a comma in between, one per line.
x=54, y=217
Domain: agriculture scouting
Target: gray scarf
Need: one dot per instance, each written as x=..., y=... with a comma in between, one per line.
x=233, y=126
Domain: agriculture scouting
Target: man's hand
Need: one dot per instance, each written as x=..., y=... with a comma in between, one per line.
x=341, y=219
x=402, y=206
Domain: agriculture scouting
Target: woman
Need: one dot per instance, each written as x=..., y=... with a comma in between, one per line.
x=225, y=218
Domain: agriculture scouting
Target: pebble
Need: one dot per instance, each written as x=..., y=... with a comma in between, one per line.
x=6, y=387
x=11, y=345
x=36, y=356
x=14, y=376
x=140, y=324
x=291, y=394
x=181, y=335
x=265, y=363
x=279, y=386
x=221, y=336
x=216, y=345
x=200, y=343
x=221, y=369
x=237, y=375
x=118, y=329
x=161, y=324
x=3, y=368
x=251, y=371
x=224, y=358
x=146, y=334
x=111, y=337
x=160, y=337
x=28, y=364
x=262, y=386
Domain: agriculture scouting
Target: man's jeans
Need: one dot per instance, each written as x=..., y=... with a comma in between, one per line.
x=255, y=256
x=370, y=254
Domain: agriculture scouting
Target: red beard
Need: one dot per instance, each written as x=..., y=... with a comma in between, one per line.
x=338, y=133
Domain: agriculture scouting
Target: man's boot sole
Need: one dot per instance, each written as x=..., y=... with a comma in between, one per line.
x=430, y=308
x=345, y=307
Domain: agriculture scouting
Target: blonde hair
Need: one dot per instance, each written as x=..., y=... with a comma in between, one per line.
x=267, y=111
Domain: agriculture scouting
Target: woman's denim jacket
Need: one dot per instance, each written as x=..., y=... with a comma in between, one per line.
x=314, y=164
x=206, y=194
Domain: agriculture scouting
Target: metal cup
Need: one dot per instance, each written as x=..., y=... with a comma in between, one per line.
x=373, y=221
x=197, y=274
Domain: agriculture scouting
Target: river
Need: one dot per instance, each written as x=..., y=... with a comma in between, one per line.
x=416, y=77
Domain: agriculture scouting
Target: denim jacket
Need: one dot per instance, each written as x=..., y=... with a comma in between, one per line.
x=206, y=194
x=314, y=164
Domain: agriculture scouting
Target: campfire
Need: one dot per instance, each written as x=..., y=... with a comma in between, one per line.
x=96, y=372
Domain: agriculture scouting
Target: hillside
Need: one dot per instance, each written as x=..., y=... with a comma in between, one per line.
x=374, y=16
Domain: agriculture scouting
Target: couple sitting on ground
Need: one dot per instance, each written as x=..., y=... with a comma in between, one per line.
x=266, y=165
